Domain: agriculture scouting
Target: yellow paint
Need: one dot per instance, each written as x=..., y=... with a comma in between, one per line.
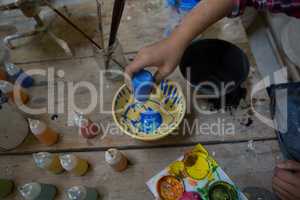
x=200, y=148
x=177, y=168
x=55, y=166
x=196, y=165
x=81, y=167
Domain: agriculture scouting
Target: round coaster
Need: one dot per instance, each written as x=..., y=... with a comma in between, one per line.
x=13, y=128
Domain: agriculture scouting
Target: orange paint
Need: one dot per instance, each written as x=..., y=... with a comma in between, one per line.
x=170, y=188
x=42, y=132
x=2, y=75
x=48, y=137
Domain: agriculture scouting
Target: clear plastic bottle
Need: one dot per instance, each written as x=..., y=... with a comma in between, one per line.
x=17, y=74
x=48, y=161
x=37, y=191
x=73, y=164
x=177, y=9
x=42, y=132
x=116, y=159
x=8, y=89
x=81, y=193
x=87, y=128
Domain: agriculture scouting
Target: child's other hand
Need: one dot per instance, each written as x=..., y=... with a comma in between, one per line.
x=286, y=180
x=165, y=55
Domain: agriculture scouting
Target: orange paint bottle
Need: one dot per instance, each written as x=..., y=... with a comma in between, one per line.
x=42, y=132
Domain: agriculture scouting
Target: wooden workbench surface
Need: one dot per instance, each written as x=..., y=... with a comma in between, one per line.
x=42, y=53
x=246, y=168
x=143, y=23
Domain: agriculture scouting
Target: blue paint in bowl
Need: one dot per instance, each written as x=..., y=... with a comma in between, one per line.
x=150, y=121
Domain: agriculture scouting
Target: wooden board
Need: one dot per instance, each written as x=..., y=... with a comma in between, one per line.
x=246, y=168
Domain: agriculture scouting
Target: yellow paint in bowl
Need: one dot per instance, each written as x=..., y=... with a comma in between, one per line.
x=167, y=104
x=196, y=165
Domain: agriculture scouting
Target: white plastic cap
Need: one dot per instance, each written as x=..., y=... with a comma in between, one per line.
x=113, y=156
x=37, y=127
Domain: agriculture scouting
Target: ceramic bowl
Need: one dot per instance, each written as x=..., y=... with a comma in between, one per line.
x=154, y=119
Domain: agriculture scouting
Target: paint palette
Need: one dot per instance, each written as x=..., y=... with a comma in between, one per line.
x=194, y=176
x=153, y=119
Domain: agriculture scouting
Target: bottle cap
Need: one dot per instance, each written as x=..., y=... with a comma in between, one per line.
x=80, y=120
x=76, y=193
x=142, y=83
x=30, y=190
x=42, y=159
x=6, y=86
x=113, y=156
x=68, y=161
x=37, y=127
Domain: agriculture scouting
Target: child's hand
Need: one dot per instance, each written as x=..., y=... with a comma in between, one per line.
x=286, y=180
x=165, y=55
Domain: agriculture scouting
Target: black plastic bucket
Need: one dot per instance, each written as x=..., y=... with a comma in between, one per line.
x=215, y=61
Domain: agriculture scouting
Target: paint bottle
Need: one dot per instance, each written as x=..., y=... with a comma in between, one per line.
x=2, y=75
x=87, y=128
x=48, y=161
x=42, y=132
x=116, y=160
x=8, y=89
x=17, y=74
x=73, y=164
x=81, y=193
x=37, y=191
x=142, y=84
x=6, y=188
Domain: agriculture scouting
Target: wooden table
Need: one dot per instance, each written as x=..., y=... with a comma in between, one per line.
x=142, y=24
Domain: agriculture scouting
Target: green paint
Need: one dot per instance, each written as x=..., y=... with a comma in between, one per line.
x=48, y=192
x=222, y=191
x=91, y=194
x=6, y=187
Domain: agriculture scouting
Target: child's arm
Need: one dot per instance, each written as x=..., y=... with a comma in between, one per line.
x=166, y=54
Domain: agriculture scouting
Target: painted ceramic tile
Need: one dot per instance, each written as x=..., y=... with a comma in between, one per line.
x=194, y=176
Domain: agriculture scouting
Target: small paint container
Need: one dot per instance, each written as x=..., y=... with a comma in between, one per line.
x=38, y=191
x=142, y=84
x=6, y=188
x=196, y=165
x=42, y=132
x=222, y=190
x=116, y=160
x=17, y=74
x=170, y=187
x=87, y=128
x=150, y=121
x=74, y=164
x=48, y=161
x=81, y=193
